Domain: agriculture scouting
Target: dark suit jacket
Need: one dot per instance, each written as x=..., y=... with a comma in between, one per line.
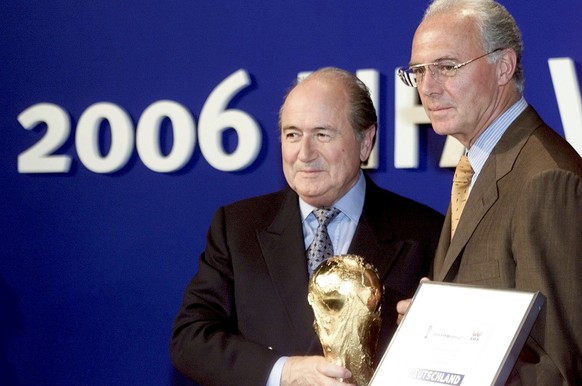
x=522, y=228
x=247, y=304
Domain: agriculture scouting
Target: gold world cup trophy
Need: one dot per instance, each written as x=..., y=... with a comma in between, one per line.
x=345, y=294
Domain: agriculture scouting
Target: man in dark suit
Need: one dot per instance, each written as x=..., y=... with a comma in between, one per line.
x=245, y=318
x=521, y=224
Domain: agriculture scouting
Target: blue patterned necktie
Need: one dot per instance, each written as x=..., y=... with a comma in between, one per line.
x=321, y=248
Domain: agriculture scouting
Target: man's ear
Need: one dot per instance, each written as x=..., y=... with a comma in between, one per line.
x=367, y=143
x=506, y=65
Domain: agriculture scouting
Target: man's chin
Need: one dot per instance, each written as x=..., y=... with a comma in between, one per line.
x=317, y=199
x=442, y=128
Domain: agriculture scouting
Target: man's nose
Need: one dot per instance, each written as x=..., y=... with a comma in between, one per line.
x=307, y=149
x=430, y=82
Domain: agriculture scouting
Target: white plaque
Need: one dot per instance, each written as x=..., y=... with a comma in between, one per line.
x=456, y=334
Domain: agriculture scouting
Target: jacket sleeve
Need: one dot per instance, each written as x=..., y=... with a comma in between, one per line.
x=206, y=345
x=548, y=254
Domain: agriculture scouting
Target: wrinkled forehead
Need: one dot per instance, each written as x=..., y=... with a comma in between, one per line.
x=314, y=95
x=444, y=35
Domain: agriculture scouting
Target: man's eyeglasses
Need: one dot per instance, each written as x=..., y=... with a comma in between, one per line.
x=413, y=75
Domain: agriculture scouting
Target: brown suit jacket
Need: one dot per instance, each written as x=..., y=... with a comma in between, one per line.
x=247, y=304
x=522, y=228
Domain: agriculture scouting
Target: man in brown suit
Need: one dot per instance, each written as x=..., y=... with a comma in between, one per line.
x=521, y=226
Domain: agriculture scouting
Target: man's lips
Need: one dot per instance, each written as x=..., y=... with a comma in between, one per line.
x=436, y=109
x=309, y=171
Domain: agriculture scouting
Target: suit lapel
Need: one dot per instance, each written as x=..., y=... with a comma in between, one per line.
x=282, y=246
x=373, y=239
x=485, y=192
x=480, y=200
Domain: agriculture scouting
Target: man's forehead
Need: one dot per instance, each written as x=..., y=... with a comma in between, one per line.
x=435, y=39
x=315, y=95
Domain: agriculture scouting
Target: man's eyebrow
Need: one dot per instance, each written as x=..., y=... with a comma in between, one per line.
x=316, y=128
x=447, y=57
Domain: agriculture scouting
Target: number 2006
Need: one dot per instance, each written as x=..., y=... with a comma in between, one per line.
x=214, y=119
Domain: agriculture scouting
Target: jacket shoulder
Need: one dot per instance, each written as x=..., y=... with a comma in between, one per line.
x=404, y=212
x=263, y=207
x=397, y=203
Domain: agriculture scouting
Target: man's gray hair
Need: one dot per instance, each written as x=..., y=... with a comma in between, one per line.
x=498, y=28
x=363, y=114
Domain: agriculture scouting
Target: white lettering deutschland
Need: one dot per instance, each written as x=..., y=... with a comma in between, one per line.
x=440, y=377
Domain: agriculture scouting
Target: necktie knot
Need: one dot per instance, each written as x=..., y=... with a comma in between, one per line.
x=325, y=215
x=463, y=172
x=321, y=248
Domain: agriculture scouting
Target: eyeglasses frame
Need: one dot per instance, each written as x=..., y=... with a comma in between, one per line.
x=404, y=72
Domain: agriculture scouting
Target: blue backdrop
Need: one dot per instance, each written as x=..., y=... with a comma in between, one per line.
x=125, y=124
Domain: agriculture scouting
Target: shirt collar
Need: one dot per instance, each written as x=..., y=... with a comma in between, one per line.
x=351, y=204
x=485, y=143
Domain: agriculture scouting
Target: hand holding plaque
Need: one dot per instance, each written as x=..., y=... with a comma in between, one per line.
x=345, y=294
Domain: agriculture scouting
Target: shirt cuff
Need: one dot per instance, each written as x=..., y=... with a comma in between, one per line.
x=276, y=371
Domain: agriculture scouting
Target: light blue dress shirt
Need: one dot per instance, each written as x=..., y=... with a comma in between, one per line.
x=341, y=230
